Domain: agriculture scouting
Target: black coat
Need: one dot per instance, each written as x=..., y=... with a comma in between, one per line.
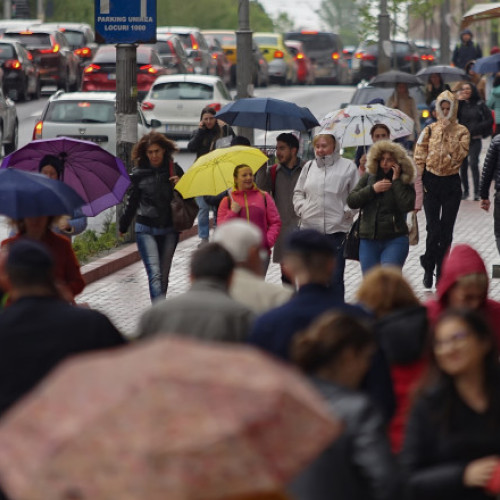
x=203, y=140
x=491, y=169
x=37, y=333
x=476, y=117
x=356, y=466
x=435, y=455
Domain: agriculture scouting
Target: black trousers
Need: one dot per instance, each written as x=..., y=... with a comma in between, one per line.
x=496, y=218
x=442, y=196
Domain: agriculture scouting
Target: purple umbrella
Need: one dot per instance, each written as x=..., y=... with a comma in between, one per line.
x=97, y=176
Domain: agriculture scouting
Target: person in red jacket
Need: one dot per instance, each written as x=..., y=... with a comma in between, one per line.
x=247, y=201
x=464, y=285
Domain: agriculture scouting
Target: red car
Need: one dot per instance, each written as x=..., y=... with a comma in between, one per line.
x=305, y=69
x=101, y=74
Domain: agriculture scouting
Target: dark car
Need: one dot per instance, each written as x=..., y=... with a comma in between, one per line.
x=81, y=39
x=21, y=77
x=325, y=50
x=427, y=54
x=53, y=55
x=365, y=93
x=173, y=55
x=223, y=64
x=404, y=56
x=101, y=74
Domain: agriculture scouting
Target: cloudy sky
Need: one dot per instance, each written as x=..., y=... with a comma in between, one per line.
x=301, y=11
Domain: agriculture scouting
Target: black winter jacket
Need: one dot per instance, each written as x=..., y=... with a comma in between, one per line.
x=491, y=169
x=149, y=197
x=203, y=140
x=476, y=117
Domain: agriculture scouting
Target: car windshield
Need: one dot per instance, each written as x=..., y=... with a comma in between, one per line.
x=182, y=90
x=6, y=51
x=81, y=112
x=314, y=41
x=266, y=40
x=185, y=39
x=31, y=40
x=75, y=38
x=225, y=38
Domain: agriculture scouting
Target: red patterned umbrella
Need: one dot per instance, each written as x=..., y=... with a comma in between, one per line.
x=168, y=419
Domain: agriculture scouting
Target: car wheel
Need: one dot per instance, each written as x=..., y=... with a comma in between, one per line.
x=12, y=146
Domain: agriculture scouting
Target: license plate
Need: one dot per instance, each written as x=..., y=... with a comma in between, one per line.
x=178, y=128
x=111, y=76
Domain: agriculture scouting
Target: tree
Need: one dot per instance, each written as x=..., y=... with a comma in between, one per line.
x=283, y=23
x=342, y=17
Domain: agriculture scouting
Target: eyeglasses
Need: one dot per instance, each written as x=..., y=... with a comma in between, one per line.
x=455, y=340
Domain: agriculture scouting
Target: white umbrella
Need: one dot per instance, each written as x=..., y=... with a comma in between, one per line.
x=352, y=124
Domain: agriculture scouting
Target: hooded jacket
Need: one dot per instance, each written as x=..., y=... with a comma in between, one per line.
x=491, y=169
x=466, y=51
x=441, y=150
x=462, y=261
x=320, y=195
x=383, y=215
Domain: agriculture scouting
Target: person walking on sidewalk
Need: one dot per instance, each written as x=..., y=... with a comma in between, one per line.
x=467, y=50
x=385, y=194
x=204, y=140
x=476, y=116
x=149, y=197
x=280, y=180
x=440, y=150
x=320, y=199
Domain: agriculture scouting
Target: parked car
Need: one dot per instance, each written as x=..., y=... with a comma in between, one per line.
x=365, y=93
x=282, y=67
x=177, y=100
x=81, y=39
x=326, y=52
x=196, y=47
x=84, y=115
x=53, y=55
x=21, y=76
x=9, y=124
x=173, y=55
x=101, y=73
x=305, y=70
x=404, y=57
x=223, y=65
x=427, y=54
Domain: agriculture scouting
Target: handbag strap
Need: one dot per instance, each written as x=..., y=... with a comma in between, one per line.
x=171, y=168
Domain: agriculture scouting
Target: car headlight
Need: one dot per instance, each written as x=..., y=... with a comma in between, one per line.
x=425, y=113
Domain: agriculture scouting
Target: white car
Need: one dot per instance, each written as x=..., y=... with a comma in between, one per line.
x=177, y=100
x=89, y=116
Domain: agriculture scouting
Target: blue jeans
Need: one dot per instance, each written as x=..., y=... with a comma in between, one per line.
x=472, y=161
x=156, y=248
x=390, y=252
x=338, y=287
x=203, y=218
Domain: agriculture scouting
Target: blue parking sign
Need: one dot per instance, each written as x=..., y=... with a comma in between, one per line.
x=125, y=21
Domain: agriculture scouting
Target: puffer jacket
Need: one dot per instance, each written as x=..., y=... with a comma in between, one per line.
x=383, y=215
x=491, y=169
x=320, y=195
x=149, y=197
x=439, y=149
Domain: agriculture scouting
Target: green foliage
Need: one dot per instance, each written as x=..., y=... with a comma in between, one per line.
x=90, y=243
x=284, y=23
x=342, y=18
x=81, y=11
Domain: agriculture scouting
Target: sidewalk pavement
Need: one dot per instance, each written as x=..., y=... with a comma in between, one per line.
x=123, y=295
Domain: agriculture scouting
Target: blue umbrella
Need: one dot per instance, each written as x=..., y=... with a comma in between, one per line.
x=266, y=114
x=490, y=64
x=26, y=194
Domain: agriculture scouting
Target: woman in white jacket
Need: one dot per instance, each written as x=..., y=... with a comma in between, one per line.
x=320, y=198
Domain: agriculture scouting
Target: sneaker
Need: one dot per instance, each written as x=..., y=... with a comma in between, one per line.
x=202, y=242
x=428, y=279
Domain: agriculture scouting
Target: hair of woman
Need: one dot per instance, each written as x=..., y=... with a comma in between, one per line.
x=139, y=152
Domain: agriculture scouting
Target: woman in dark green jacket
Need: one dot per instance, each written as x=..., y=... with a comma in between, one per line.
x=384, y=195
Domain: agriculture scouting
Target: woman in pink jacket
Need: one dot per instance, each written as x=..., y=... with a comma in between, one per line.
x=247, y=201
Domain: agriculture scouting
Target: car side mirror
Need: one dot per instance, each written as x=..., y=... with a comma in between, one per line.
x=154, y=123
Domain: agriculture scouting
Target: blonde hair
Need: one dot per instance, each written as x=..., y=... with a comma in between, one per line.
x=316, y=138
x=384, y=290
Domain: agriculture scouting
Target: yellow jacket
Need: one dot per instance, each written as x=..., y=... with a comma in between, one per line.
x=441, y=149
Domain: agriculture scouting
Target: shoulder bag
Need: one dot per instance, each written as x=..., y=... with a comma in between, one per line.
x=351, y=242
x=183, y=211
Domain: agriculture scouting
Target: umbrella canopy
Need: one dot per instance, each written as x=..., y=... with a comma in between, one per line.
x=212, y=173
x=26, y=194
x=352, y=124
x=447, y=73
x=490, y=64
x=170, y=418
x=267, y=113
x=480, y=12
x=97, y=176
x=392, y=78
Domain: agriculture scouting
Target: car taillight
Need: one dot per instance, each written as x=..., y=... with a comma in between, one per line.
x=411, y=57
x=194, y=43
x=299, y=56
x=149, y=68
x=278, y=54
x=427, y=57
x=214, y=56
x=53, y=50
x=147, y=106
x=12, y=64
x=358, y=55
x=37, y=131
x=92, y=68
x=335, y=56
x=216, y=106
x=368, y=57
x=83, y=52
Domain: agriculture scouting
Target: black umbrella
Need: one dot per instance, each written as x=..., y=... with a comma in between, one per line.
x=447, y=73
x=389, y=79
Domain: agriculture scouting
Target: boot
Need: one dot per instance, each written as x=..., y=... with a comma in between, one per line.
x=428, y=271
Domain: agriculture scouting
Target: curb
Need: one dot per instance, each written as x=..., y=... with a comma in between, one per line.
x=125, y=256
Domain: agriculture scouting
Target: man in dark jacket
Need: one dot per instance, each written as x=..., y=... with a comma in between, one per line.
x=39, y=330
x=467, y=50
x=491, y=171
x=309, y=258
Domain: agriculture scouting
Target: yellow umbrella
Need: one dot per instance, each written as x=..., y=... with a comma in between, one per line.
x=212, y=173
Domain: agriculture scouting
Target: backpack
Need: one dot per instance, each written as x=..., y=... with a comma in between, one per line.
x=273, y=171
